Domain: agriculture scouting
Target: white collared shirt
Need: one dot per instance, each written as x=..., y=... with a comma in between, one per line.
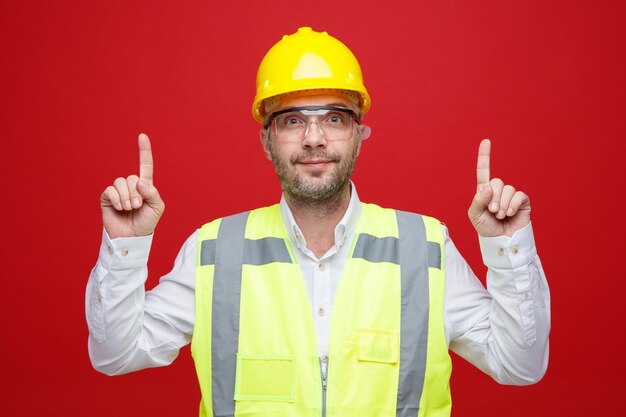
x=322, y=275
x=503, y=331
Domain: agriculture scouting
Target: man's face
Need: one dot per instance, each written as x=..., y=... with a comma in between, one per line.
x=313, y=168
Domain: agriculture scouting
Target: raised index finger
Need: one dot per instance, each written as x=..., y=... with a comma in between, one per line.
x=482, y=165
x=145, y=158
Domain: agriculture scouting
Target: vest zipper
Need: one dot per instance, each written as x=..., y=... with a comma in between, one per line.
x=324, y=381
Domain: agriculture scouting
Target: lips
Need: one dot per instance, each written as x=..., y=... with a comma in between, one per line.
x=315, y=161
x=315, y=164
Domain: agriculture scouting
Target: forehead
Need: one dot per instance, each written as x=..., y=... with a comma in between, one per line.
x=296, y=100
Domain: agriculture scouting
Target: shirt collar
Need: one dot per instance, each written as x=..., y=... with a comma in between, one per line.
x=344, y=229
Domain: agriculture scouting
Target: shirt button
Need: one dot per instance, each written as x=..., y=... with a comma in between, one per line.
x=110, y=250
x=515, y=249
x=324, y=359
x=321, y=267
x=298, y=237
x=321, y=311
x=500, y=251
x=526, y=296
x=124, y=251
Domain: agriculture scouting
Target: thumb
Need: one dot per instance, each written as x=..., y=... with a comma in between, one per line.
x=481, y=200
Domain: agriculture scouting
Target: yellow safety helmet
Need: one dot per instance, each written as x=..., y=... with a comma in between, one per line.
x=308, y=60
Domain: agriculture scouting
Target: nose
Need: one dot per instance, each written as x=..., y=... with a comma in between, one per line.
x=313, y=137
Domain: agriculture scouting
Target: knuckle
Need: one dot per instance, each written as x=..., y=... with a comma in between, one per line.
x=106, y=194
x=496, y=185
x=121, y=186
x=132, y=178
x=525, y=199
x=509, y=188
x=110, y=196
x=132, y=190
x=122, y=189
x=110, y=191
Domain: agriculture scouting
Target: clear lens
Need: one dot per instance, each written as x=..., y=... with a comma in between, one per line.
x=334, y=123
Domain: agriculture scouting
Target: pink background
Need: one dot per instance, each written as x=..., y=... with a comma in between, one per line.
x=79, y=80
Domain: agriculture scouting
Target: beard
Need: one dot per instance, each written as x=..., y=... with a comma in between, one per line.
x=314, y=189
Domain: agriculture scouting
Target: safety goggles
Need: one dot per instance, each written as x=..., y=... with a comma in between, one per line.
x=333, y=123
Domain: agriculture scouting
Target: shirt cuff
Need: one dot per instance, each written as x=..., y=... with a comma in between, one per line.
x=503, y=252
x=124, y=252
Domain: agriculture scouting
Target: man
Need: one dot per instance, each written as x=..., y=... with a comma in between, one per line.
x=320, y=304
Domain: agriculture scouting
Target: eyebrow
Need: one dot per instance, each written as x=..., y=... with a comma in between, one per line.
x=336, y=104
x=333, y=104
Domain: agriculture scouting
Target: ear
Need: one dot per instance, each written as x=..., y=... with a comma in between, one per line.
x=264, y=136
x=366, y=132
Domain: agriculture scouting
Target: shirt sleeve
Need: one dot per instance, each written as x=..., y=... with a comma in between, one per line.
x=503, y=330
x=129, y=328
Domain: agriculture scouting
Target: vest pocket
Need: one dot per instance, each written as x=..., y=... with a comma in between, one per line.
x=377, y=345
x=265, y=378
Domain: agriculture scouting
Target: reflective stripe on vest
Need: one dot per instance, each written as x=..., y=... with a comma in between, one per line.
x=229, y=251
x=414, y=316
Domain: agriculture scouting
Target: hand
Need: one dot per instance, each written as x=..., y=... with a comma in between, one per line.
x=497, y=209
x=132, y=206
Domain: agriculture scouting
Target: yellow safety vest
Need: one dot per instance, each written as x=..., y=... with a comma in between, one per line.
x=254, y=343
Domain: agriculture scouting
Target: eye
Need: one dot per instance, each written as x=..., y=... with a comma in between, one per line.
x=336, y=118
x=290, y=120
